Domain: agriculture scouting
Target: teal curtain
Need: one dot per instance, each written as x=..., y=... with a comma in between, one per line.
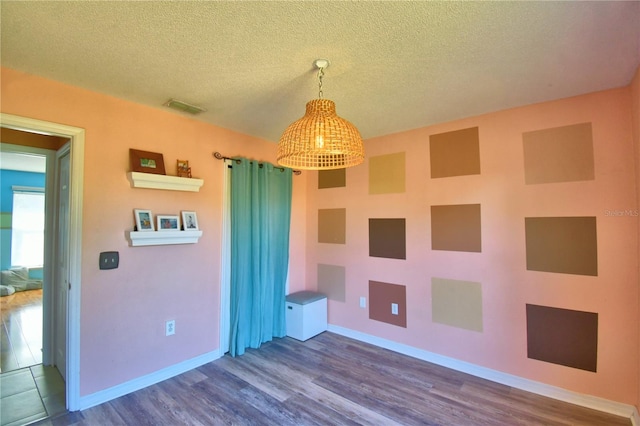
x=260, y=219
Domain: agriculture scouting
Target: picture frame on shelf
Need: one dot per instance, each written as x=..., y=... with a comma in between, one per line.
x=183, y=169
x=167, y=222
x=189, y=221
x=144, y=220
x=146, y=162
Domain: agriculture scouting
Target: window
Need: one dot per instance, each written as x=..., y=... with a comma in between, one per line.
x=27, y=228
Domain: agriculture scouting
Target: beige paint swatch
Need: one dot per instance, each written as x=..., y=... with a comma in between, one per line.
x=332, y=226
x=387, y=174
x=560, y=154
x=456, y=303
x=331, y=281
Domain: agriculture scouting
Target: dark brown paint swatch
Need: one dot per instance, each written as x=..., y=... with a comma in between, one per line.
x=563, y=336
x=387, y=238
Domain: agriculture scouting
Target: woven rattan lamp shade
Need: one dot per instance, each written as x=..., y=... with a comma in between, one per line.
x=320, y=140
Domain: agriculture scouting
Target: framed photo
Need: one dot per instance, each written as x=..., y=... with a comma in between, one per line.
x=183, y=168
x=144, y=220
x=189, y=221
x=146, y=162
x=168, y=222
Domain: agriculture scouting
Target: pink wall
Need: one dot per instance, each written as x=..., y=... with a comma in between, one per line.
x=506, y=284
x=124, y=310
x=635, y=100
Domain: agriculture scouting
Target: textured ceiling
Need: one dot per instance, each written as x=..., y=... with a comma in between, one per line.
x=394, y=65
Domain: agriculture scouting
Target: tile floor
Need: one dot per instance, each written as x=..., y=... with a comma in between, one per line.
x=30, y=394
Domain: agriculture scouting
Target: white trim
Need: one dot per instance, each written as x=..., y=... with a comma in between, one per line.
x=172, y=183
x=117, y=391
x=635, y=417
x=588, y=401
x=77, y=136
x=157, y=238
x=27, y=189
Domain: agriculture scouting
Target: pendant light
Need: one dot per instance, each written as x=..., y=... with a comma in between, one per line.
x=320, y=140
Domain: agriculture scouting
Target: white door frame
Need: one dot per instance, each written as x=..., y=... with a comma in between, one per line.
x=76, y=135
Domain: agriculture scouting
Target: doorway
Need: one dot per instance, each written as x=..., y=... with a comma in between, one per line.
x=22, y=201
x=32, y=378
x=61, y=340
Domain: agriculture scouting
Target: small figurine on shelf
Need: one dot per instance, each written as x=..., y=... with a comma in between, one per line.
x=183, y=169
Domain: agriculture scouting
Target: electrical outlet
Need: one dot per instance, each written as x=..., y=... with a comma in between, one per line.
x=394, y=309
x=170, y=328
x=363, y=302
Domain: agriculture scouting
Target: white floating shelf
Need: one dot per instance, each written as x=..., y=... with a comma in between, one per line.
x=158, y=238
x=172, y=183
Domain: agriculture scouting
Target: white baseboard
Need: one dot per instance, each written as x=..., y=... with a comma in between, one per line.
x=114, y=392
x=588, y=401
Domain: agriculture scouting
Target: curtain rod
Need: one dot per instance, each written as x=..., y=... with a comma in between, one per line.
x=222, y=157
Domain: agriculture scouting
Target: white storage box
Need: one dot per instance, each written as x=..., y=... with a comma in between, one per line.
x=306, y=314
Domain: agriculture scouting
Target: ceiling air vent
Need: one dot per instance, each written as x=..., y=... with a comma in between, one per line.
x=184, y=107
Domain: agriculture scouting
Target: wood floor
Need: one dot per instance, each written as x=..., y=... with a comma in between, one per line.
x=330, y=380
x=21, y=333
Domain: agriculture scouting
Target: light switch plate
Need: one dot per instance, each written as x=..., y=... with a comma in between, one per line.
x=109, y=259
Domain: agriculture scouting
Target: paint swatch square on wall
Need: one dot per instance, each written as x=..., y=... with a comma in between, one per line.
x=331, y=281
x=387, y=174
x=387, y=238
x=567, y=245
x=563, y=336
x=388, y=303
x=559, y=154
x=332, y=178
x=456, y=228
x=332, y=226
x=455, y=153
x=456, y=303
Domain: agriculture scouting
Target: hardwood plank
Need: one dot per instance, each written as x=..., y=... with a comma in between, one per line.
x=198, y=402
x=257, y=378
x=334, y=380
x=499, y=397
x=22, y=330
x=310, y=411
x=573, y=414
x=8, y=361
x=299, y=380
